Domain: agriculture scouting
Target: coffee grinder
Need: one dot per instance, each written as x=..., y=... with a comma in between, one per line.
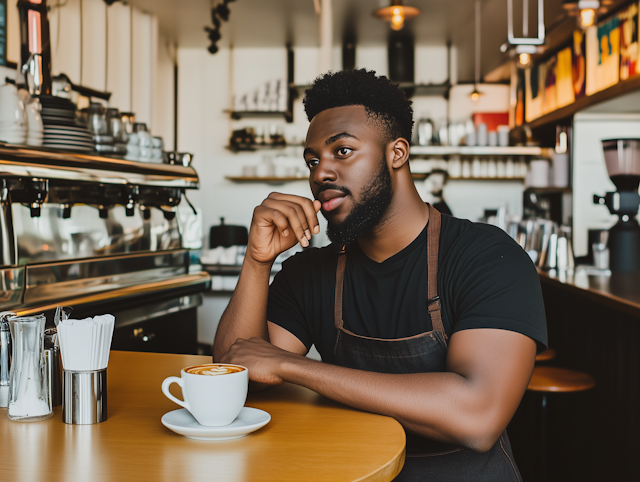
x=622, y=157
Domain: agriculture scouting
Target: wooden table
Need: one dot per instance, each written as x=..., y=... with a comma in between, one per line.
x=309, y=437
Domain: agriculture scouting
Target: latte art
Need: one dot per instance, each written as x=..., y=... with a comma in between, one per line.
x=213, y=370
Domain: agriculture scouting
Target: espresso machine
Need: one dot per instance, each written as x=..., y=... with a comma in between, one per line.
x=622, y=157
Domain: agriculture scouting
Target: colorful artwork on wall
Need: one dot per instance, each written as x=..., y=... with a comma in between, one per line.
x=578, y=64
x=608, y=69
x=534, y=92
x=564, y=78
x=628, y=41
x=550, y=101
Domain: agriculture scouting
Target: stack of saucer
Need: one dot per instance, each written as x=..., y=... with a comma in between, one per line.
x=61, y=131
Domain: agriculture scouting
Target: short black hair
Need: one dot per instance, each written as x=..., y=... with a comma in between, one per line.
x=383, y=100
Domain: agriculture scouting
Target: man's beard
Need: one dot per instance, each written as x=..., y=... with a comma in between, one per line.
x=367, y=213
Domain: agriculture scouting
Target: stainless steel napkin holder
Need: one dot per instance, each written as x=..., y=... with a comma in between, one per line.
x=84, y=396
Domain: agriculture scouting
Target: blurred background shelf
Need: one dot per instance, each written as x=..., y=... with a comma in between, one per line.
x=550, y=189
x=446, y=151
x=416, y=176
x=241, y=114
x=489, y=179
x=265, y=179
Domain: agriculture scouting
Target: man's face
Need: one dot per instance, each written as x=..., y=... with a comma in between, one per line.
x=349, y=174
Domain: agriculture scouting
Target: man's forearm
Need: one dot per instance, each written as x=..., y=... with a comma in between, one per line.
x=442, y=406
x=246, y=314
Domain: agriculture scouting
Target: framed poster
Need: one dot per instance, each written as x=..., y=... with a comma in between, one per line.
x=534, y=92
x=592, y=54
x=550, y=102
x=608, y=68
x=519, y=109
x=564, y=78
x=628, y=41
x=578, y=64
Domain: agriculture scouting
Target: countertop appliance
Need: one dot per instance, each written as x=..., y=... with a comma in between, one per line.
x=622, y=157
x=102, y=235
x=227, y=235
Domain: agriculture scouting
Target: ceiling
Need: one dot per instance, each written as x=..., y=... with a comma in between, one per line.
x=267, y=23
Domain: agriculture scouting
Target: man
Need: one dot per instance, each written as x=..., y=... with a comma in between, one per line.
x=428, y=319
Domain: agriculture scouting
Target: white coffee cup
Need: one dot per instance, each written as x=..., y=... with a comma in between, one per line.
x=11, y=107
x=214, y=399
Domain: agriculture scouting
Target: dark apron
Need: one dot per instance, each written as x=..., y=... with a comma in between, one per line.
x=426, y=459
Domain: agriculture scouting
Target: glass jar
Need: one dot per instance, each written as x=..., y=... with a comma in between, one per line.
x=28, y=394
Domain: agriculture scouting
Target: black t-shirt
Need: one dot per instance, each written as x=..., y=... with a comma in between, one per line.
x=485, y=280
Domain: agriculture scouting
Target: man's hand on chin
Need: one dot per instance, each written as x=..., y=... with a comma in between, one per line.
x=266, y=362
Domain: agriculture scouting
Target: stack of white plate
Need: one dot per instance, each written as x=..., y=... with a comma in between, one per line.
x=75, y=138
x=61, y=131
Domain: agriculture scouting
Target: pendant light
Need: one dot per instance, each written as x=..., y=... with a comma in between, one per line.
x=475, y=94
x=397, y=13
x=522, y=48
x=587, y=11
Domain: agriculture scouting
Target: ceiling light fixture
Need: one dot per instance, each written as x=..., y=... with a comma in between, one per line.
x=522, y=48
x=587, y=11
x=397, y=14
x=475, y=94
x=219, y=13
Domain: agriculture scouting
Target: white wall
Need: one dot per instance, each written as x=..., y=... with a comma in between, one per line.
x=590, y=171
x=119, y=55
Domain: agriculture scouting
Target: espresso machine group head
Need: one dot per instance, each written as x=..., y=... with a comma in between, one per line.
x=622, y=157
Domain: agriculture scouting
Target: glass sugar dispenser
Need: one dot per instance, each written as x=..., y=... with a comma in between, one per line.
x=28, y=394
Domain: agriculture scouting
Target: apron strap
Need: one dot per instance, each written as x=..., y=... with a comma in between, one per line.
x=433, y=249
x=337, y=308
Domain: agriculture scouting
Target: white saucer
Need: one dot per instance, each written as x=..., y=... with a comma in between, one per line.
x=183, y=423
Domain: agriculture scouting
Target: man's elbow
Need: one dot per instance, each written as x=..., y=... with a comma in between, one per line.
x=482, y=443
x=483, y=434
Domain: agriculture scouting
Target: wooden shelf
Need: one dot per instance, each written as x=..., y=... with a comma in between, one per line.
x=489, y=179
x=472, y=151
x=240, y=114
x=427, y=90
x=266, y=180
x=563, y=113
x=260, y=147
x=550, y=189
x=416, y=176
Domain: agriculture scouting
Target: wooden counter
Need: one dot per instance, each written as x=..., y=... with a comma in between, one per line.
x=620, y=291
x=309, y=437
x=594, y=326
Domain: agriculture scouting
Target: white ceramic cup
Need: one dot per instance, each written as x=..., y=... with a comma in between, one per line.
x=214, y=401
x=12, y=109
x=539, y=173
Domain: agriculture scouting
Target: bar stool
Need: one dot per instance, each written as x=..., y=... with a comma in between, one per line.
x=547, y=380
x=547, y=355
